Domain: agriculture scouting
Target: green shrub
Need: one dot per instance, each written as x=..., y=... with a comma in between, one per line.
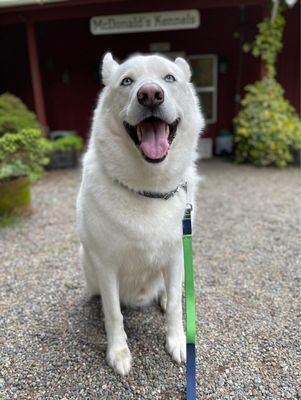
x=268, y=130
x=267, y=127
x=69, y=142
x=22, y=154
x=15, y=116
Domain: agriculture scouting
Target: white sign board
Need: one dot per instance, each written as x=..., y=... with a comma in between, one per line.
x=145, y=22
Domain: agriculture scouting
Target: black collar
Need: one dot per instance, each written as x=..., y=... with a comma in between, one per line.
x=155, y=195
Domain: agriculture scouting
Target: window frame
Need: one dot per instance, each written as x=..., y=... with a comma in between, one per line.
x=210, y=89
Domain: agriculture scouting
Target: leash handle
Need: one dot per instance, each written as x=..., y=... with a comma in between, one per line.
x=190, y=306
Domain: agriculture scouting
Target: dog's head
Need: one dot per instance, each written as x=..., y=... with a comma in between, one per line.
x=149, y=102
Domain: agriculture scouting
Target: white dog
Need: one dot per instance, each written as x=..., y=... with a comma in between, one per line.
x=133, y=194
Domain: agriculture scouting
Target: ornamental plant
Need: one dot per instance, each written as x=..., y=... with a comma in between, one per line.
x=22, y=154
x=15, y=116
x=268, y=129
x=66, y=143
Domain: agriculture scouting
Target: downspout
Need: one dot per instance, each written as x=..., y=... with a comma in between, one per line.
x=240, y=57
x=36, y=75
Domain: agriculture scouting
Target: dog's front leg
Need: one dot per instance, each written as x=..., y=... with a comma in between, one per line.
x=175, y=337
x=118, y=353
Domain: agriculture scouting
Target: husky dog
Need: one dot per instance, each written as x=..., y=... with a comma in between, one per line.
x=137, y=173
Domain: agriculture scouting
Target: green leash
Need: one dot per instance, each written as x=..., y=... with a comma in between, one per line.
x=190, y=306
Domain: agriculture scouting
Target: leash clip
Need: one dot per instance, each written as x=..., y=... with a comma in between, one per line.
x=189, y=207
x=187, y=220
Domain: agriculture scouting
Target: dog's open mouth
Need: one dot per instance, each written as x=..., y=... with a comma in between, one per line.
x=153, y=137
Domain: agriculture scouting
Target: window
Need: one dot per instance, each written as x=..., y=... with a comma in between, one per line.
x=204, y=77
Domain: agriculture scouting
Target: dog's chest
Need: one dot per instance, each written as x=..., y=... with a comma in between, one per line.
x=149, y=235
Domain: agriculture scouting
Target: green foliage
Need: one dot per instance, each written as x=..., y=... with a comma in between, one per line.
x=69, y=142
x=268, y=42
x=14, y=115
x=268, y=129
x=22, y=154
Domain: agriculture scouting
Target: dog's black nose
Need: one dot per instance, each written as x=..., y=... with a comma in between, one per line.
x=150, y=95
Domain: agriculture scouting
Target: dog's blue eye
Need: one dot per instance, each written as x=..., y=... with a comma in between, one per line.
x=127, y=81
x=169, y=78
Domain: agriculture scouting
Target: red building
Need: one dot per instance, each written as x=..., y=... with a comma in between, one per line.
x=50, y=58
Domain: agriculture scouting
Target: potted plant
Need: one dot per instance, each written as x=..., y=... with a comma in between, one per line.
x=63, y=150
x=22, y=156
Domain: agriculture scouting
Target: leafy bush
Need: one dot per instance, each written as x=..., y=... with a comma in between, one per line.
x=69, y=142
x=267, y=127
x=268, y=130
x=22, y=154
x=15, y=116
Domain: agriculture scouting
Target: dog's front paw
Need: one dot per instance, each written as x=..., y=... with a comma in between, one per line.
x=176, y=347
x=119, y=358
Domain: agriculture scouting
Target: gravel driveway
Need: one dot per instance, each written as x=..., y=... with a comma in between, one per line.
x=247, y=256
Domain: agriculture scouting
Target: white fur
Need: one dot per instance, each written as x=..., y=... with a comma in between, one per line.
x=131, y=246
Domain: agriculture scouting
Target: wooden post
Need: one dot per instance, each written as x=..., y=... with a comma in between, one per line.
x=35, y=74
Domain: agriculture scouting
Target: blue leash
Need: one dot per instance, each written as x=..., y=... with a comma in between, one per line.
x=190, y=372
x=190, y=306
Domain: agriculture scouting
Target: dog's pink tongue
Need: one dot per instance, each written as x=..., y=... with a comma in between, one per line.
x=154, y=140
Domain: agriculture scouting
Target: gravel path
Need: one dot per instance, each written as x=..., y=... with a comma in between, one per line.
x=247, y=248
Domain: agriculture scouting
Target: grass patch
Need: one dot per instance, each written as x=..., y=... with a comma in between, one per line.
x=9, y=220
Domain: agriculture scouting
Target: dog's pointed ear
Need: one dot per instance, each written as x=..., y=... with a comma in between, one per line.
x=109, y=66
x=184, y=66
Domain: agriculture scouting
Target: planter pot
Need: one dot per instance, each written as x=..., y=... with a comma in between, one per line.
x=15, y=196
x=205, y=147
x=296, y=157
x=62, y=159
